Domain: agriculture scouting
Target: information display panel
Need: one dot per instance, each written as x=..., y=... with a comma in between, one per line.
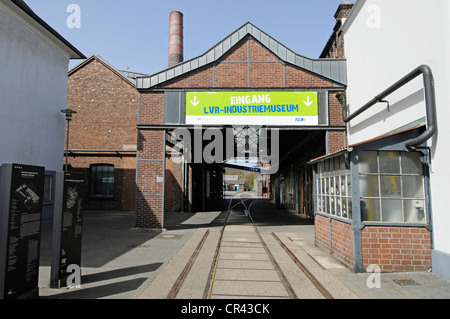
x=67, y=226
x=22, y=191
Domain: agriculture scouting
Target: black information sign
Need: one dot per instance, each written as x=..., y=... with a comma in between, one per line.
x=21, y=214
x=67, y=228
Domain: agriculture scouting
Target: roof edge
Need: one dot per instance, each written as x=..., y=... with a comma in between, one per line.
x=76, y=54
x=105, y=63
x=332, y=69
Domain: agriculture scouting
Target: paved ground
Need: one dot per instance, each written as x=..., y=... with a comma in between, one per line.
x=120, y=262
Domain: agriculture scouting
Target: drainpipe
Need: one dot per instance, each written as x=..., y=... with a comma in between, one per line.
x=430, y=103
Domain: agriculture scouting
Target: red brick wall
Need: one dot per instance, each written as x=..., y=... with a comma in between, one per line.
x=340, y=242
x=107, y=107
x=149, y=191
x=392, y=248
x=343, y=244
x=173, y=194
x=152, y=108
x=247, y=65
x=322, y=232
x=336, y=139
x=397, y=248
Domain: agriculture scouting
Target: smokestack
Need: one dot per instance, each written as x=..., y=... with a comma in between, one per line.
x=175, y=38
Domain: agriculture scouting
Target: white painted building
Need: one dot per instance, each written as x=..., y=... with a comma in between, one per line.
x=33, y=88
x=34, y=61
x=384, y=41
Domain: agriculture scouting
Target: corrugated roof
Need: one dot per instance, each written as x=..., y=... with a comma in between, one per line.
x=332, y=69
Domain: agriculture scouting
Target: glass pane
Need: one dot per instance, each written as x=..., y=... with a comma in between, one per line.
x=344, y=208
x=414, y=211
x=390, y=162
x=412, y=163
x=332, y=205
x=110, y=189
x=368, y=186
x=368, y=162
x=413, y=187
x=327, y=204
x=350, y=208
x=338, y=206
x=332, y=185
x=343, y=186
x=322, y=204
x=390, y=186
x=370, y=210
x=392, y=210
x=349, y=185
x=337, y=185
x=102, y=180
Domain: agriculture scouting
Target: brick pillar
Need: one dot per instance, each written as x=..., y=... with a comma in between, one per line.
x=150, y=167
x=336, y=139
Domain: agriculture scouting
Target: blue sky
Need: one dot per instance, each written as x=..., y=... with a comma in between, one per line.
x=134, y=34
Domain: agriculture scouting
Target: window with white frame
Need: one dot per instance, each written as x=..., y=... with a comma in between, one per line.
x=391, y=186
x=333, y=187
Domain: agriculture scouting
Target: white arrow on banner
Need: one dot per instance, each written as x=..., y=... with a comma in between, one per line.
x=195, y=103
x=308, y=102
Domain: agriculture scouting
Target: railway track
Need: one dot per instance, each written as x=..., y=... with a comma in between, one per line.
x=237, y=261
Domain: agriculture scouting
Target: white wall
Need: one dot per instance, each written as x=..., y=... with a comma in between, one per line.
x=33, y=90
x=384, y=41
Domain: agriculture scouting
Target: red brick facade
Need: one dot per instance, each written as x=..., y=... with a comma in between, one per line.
x=397, y=248
x=107, y=108
x=336, y=237
x=392, y=248
x=247, y=65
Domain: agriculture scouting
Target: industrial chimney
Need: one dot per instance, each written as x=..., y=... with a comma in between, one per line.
x=175, y=38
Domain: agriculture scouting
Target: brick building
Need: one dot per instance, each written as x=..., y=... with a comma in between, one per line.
x=334, y=47
x=103, y=132
x=373, y=203
x=246, y=60
x=103, y=138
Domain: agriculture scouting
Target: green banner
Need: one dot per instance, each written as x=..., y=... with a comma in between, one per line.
x=265, y=108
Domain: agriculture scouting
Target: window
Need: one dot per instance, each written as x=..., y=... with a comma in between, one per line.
x=102, y=180
x=48, y=188
x=333, y=183
x=391, y=186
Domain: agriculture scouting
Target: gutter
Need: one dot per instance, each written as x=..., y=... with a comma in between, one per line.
x=430, y=104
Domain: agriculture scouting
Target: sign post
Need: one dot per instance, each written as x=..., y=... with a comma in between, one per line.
x=21, y=198
x=67, y=226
